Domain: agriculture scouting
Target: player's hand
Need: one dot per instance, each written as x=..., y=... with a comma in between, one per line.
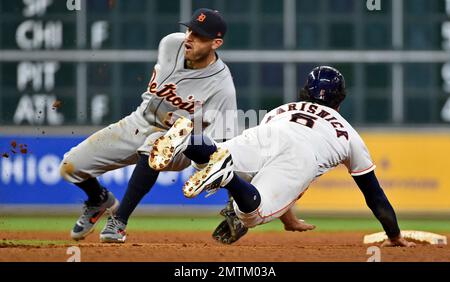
x=299, y=225
x=292, y=223
x=398, y=242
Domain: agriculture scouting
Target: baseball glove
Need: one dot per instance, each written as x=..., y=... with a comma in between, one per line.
x=231, y=228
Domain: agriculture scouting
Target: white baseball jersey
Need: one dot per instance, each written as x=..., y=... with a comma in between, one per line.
x=332, y=139
x=294, y=144
x=173, y=91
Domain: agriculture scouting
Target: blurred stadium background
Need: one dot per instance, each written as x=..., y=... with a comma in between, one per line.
x=65, y=74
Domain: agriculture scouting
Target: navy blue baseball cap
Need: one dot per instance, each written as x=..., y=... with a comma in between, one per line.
x=208, y=23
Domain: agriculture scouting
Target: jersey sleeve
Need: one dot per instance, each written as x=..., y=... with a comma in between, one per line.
x=268, y=116
x=168, y=48
x=220, y=113
x=359, y=161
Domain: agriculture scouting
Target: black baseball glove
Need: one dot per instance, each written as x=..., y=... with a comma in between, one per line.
x=231, y=228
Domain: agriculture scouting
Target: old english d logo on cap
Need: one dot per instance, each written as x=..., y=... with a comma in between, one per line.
x=201, y=18
x=207, y=23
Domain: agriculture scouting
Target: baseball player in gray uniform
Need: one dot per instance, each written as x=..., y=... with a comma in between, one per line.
x=190, y=80
x=294, y=144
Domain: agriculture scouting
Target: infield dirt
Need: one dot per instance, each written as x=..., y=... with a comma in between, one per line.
x=200, y=247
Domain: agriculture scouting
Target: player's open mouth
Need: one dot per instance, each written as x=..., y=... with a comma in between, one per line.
x=188, y=46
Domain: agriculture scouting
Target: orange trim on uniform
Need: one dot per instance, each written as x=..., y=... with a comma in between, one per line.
x=363, y=170
x=299, y=196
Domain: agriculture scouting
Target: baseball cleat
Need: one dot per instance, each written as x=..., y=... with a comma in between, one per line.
x=231, y=229
x=217, y=173
x=168, y=146
x=85, y=224
x=114, y=231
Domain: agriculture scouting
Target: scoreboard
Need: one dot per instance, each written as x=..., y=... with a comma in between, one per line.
x=29, y=89
x=57, y=91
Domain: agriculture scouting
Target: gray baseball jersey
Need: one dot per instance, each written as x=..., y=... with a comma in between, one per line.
x=206, y=94
x=173, y=90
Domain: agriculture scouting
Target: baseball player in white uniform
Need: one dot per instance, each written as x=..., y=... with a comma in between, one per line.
x=294, y=144
x=189, y=79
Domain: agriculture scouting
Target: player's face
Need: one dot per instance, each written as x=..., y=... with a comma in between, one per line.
x=198, y=48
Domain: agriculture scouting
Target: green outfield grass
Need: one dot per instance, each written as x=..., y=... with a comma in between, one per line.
x=35, y=243
x=166, y=223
